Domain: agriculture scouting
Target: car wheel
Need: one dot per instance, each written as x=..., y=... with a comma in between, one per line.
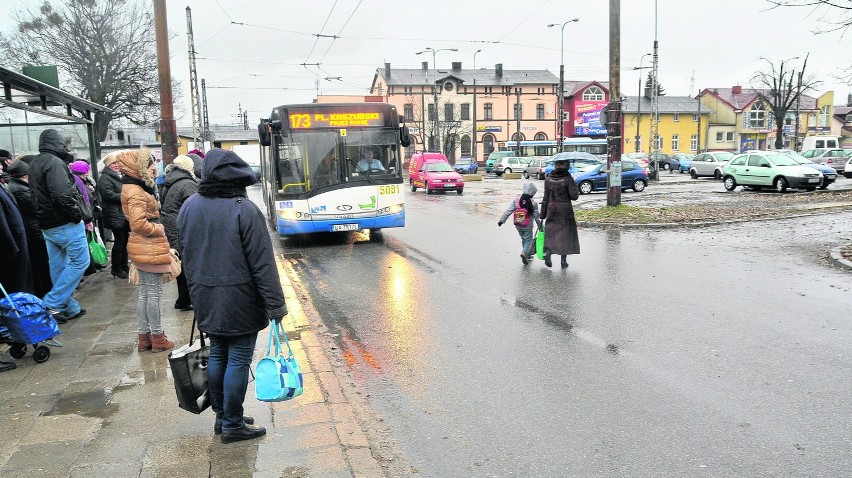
x=428, y=191
x=526, y=175
x=508, y=170
x=666, y=166
x=694, y=174
x=780, y=184
x=585, y=187
x=639, y=185
x=730, y=183
x=824, y=186
x=460, y=191
x=413, y=187
x=717, y=175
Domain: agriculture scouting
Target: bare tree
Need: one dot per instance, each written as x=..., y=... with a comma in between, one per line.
x=835, y=14
x=780, y=89
x=104, y=50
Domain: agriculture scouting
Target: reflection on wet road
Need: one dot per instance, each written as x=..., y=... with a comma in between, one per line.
x=720, y=351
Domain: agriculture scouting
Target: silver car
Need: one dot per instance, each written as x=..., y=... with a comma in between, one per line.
x=510, y=164
x=835, y=158
x=536, y=167
x=709, y=164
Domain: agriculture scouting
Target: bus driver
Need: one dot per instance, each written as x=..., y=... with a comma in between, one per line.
x=369, y=161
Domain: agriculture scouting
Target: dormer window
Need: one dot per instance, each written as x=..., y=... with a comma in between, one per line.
x=448, y=86
x=849, y=118
x=593, y=93
x=757, y=116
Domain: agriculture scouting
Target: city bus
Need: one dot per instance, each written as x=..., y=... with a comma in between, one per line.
x=333, y=167
x=596, y=147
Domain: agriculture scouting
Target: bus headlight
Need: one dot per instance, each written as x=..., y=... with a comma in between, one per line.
x=287, y=214
x=396, y=208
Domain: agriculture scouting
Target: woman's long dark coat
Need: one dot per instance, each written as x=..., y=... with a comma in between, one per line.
x=560, y=227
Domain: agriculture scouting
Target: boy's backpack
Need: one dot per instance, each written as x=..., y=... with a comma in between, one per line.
x=521, y=217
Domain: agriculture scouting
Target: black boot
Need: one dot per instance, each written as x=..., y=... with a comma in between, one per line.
x=564, y=262
x=547, y=261
x=246, y=432
x=217, y=427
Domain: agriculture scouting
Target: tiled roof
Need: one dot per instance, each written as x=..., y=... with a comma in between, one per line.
x=574, y=87
x=484, y=76
x=742, y=100
x=842, y=110
x=667, y=104
x=225, y=133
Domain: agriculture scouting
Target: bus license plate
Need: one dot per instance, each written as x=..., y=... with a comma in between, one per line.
x=344, y=227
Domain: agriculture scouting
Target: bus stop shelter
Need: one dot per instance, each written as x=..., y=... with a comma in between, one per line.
x=29, y=106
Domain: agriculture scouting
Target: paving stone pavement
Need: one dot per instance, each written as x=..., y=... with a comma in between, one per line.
x=99, y=408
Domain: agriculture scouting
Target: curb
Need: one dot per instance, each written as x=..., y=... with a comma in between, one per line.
x=838, y=259
x=673, y=225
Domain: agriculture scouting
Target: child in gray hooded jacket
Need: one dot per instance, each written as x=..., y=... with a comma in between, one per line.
x=524, y=211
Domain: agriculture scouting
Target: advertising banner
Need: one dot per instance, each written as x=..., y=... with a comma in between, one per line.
x=587, y=118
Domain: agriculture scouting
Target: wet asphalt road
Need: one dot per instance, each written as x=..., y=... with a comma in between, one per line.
x=721, y=351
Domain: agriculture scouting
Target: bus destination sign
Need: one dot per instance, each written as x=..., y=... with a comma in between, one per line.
x=300, y=120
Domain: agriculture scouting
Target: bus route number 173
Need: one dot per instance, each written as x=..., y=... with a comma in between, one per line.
x=392, y=189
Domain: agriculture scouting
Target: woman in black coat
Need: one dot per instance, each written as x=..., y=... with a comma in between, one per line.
x=109, y=190
x=20, y=189
x=560, y=227
x=179, y=185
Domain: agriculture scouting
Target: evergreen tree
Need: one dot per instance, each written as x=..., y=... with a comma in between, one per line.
x=660, y=90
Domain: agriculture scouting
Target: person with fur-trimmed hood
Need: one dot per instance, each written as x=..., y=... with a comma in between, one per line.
x=147, y=247
x=180, y=184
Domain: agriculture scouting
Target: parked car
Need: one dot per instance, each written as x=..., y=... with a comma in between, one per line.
x=835, y=158
x=666, y=162
x=709, y=164
x=820, y=142
x=684, y=161
x=640, y=158
x=494, y=157
x=510, y=164
x=466, y=166
x=577, y=160
x=760, y=169
x=536, y=168
x=829, y=174
x=593, y=177
x=847, y=170
x=436, y=175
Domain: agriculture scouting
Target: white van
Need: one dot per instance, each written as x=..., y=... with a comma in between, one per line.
x=820, y=142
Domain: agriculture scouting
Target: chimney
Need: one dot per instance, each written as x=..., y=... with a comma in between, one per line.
x=424, y=65
x=387, y=70
x=849, y=100
x=648, y=90
x=498, y=70
x=457, y=66
x=737, y=90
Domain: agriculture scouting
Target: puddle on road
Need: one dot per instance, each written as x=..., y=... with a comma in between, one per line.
x=93, y=403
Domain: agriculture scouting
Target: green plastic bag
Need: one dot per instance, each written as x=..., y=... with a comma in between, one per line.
x=96, y=249
x=539, y=244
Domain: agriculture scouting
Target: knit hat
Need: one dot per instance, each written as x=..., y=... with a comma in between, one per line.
x=109, y=159
x=184, y=162
x=18, y=169
x=5, y=154
x=80, y=168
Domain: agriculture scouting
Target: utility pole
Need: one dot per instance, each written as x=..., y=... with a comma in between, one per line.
x=168, y=127
x=197, y=130
x=698, y=142
x=205, y=124
x=639, y=102
x=518, y=120
x=798, y=97
x=475, y=135
x=613, y=110
x=655, y=103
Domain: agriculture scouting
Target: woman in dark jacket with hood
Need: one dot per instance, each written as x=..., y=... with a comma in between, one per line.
x=560, y=227
x=180, y=184
x=109, y=190
x=233, y=282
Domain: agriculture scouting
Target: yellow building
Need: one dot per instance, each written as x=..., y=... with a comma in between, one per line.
x=741, y=121
x=681, y=125
x=225, y=137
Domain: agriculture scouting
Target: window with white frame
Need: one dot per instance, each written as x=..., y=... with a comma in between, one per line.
x=408, y=111
x=639, y=143
x=518, y=111
x=593, y=93
x=675, y=142
x=539, y=111
x=720, y=136
x=757, y=116
x=695, y=117
x=488, y=111
x=730, y=136
x=676, y=117
x=823, y=115
x=658, y=143
x=693, y=142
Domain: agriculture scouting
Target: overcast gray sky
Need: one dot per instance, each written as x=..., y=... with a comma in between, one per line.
x=719, y=43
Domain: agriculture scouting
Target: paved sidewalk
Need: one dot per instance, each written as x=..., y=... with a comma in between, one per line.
x=99, y=408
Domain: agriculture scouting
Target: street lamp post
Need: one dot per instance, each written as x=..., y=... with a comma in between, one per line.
x=475, y=138
x=639, y=101
x=561, y=89
x=437, y=127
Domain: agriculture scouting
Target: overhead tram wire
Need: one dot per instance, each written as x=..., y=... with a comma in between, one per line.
x=340, y=31
x=327, y=18
x=524, y=20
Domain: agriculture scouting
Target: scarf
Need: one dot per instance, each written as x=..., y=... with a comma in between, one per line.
x=125, y=179
x=84, y=191
x=221, y=189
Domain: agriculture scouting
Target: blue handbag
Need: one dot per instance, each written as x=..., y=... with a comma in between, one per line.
x=277, y=377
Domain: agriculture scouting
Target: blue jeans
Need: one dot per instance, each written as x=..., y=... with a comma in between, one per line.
x=68, y=253
x=228, y=374
x=527, y=242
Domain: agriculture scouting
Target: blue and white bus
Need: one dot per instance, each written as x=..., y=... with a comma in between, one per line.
x=333, y=167
x=596, y=147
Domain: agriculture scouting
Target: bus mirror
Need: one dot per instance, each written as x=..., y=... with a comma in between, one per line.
x=263, y=133
x=404, y=136
x=401, y=119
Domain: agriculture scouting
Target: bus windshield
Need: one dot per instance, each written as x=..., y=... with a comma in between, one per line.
x=312, y=160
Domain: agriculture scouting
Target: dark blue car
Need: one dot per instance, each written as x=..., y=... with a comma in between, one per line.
x=466, y=166
x=829, y=174
x=593, y=178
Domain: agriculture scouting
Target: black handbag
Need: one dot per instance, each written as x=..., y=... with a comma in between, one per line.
x=189, y=370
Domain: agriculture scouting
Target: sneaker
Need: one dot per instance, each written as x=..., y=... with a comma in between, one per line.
x=78, y=314
x=217, y=427
x=183, y=307
x=58, y=316
x=245, y=432
x=524, y=259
